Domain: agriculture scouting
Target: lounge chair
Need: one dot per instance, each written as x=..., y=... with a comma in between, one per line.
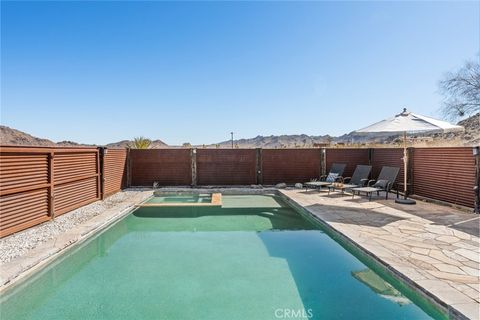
x=334, y=174
x=386, y=179
x=358, y=179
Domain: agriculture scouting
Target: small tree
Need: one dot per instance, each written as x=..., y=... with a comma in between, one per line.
x=187, y=145
x=140, y=143
x=461, y=91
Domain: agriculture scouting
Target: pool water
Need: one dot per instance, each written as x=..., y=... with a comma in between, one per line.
x=254, y=258
x=181, y=198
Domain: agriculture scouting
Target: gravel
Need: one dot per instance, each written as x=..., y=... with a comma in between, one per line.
x=20, y=243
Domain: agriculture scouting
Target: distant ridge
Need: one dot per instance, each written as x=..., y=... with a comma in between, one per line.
x=282, y=141
x=10, y=136
x=156, y=144
x=471, y=136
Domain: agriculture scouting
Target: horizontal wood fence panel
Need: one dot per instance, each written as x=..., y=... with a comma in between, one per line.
x=226, y=166
x=389, y=157
x=114, y=170
x=23, y=171
x=23, y=210
x=72, y=195
x=350, y=157
x=76, y=179
x=38, y=183
x=73, y=166
x=290, y=165
x=446, y=174
x=165, y=166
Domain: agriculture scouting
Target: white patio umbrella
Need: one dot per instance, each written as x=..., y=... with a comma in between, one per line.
x=411, y=123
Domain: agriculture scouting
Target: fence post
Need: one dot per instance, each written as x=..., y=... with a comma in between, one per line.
x=129, y=168
x=258, y=166
x=101, y=154
x=323, y=162
x=476, y=188
x=193, y=159
x=371, y=155
x=51, y=189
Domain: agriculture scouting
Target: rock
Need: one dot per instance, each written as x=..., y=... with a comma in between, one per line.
x=298, y=185
x=281, y=185
x=256, y=186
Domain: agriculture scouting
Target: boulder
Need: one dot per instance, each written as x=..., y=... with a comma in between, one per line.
x=281, y=185
x=298, y=185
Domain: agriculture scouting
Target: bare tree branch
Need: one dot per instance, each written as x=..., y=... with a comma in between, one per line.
x=461, y=91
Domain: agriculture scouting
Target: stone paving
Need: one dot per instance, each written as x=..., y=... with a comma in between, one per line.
x=435, y=247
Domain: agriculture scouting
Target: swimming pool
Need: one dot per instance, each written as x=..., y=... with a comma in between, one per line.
x=253, y=258
x=181, y=198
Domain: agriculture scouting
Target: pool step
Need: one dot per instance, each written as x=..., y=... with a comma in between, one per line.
x=216, y=202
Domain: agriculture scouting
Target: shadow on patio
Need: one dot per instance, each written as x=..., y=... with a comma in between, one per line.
x=354, y=215
x=375, y=213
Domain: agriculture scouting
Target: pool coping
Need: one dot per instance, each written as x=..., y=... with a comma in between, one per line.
x=24, y=267
x=451, y=311
x=216, y=201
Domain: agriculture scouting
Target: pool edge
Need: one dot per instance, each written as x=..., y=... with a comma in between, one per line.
x=449, y=310
x=21, y=269
x=53, y=252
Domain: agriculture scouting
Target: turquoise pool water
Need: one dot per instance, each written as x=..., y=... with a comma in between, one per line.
x=181, y=198
x=254, y=258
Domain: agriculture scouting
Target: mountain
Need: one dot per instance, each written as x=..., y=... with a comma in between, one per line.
x=282, y=141
x=156, y=144
x=470, y=137
x=14, y=137
x=9, y=136
x=67, y=143
x=472, y=129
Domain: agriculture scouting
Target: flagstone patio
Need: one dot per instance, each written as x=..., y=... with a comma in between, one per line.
x=436, y=248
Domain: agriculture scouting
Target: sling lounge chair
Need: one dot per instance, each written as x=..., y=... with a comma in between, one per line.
x=385, y=181
x=358, y=179
x=334, y=174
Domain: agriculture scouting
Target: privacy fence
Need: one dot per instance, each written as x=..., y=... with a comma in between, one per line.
x=445, y=174
x=38, y=184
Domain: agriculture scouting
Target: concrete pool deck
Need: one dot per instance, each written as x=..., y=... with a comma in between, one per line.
x=434, y=248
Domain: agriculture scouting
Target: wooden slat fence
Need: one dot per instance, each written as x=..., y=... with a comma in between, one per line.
x=446, y=174
x=114, y=171
x=168, y=167
x=290, y=165
x=351, y=157
x=225, y=166
x=39, y=183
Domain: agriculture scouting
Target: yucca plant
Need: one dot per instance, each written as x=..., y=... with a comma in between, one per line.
x=140, y=143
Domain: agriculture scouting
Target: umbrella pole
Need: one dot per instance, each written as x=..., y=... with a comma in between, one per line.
x=405, y=173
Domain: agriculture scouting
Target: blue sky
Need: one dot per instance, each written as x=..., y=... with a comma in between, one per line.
x=98, y=72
